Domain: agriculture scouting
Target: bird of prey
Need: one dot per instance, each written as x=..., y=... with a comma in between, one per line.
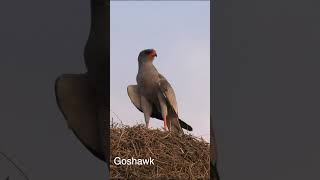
x=83, y=98
x=154, y=96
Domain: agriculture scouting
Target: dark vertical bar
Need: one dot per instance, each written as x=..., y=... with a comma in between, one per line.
x=214, y=174
x=97, y=60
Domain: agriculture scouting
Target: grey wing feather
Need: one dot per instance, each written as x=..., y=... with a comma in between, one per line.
x=168, y=93
x=134, y=95
x=170, y=97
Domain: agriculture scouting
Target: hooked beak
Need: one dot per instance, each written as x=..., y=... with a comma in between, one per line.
x=153, y=54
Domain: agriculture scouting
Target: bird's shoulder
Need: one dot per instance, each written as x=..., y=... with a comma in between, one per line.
x=164, y=83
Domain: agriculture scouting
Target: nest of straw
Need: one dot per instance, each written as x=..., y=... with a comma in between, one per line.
x=175, y=157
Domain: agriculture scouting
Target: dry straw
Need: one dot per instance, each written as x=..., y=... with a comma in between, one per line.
x=185, y=157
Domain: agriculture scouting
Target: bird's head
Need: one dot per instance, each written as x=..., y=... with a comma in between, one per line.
x=147, y=55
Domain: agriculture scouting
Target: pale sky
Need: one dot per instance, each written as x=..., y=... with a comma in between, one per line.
x=180, y=33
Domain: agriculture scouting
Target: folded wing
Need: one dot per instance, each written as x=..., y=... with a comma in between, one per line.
x=76, y=100
x=134, y=96
x=170, y=97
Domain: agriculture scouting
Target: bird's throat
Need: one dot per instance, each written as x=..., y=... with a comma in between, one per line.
x=146, y=65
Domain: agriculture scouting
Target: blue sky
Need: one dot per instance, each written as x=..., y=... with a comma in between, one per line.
x=180, y=33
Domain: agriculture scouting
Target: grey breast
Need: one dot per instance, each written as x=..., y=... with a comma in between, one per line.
x=147, y=79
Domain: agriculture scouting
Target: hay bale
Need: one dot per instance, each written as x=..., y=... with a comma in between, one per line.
x=175, y=157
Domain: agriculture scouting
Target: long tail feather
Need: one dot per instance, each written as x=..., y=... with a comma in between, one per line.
x=185, y=125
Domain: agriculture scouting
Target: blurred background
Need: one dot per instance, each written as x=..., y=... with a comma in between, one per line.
x=180, y=33
x=40, y=40
x=266, y=88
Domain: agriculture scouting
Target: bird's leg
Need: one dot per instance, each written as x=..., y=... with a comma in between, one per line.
x=165, y=123
x=164, y=110
x=147, y=119
x=147, y=109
